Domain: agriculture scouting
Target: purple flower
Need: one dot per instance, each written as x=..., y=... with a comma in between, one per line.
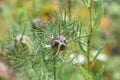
x=37, y=22
x=18, y=37
x=23, y=44
x=59, y=42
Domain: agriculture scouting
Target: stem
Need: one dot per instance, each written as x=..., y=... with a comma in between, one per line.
x=69, y=9
x=54, y=67
x=90, y=35
x=54, y=63
x=36, y=72
x=88, y=50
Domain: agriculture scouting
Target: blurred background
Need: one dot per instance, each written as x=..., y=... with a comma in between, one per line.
x=107, y=35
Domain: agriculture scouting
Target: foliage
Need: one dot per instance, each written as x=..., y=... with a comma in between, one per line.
x=31, y=51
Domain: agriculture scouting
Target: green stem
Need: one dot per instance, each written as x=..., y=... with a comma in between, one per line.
x=54, y=66
x=36, y=72
x=54, y=63
x=90, y=35
x=69, y=9
x=88, y=50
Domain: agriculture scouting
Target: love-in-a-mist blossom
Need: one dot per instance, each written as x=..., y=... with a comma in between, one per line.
x=37, y=23
x=58, y=43
x=23, y=44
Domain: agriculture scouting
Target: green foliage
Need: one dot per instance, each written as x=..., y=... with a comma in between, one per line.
x=82, y=43
x=86, y=2
x=98, y=12
x=85, y=73
x=99, y=75
x=2, y=78
x=32, y=54
x=99, y=51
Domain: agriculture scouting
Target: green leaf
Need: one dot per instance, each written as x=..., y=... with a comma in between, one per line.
x=97, y=54
x=99, y=75
x=82, y=43
x=85, y=2
x=85, y=73
x=79, y=76
x=98, y=12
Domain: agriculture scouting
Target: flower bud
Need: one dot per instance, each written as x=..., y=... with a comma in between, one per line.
x=23, y=44
x=58, y=43
x=37, y=24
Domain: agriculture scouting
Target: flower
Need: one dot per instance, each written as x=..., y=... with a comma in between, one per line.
x=18, y=37
x=37, y=23
x=58, y=43
x=23, y=44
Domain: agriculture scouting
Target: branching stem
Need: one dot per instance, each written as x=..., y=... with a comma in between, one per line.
x=90, y=35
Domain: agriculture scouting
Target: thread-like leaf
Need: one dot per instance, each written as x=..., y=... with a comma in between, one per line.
x=82, y=43
x=100, y=74
x=99, y=51
x=85, y=2
x=98, y=12
x=85, y=73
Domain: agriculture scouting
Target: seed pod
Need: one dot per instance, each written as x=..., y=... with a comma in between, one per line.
x=23, y=44
x=58, y=43
x=37, y=23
